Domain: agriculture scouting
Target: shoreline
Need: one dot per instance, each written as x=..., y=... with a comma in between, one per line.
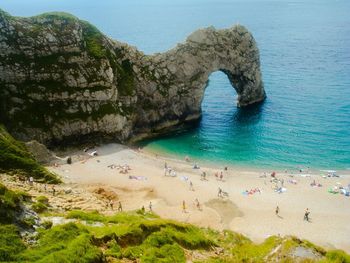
x=250, y=214
x=220, y=163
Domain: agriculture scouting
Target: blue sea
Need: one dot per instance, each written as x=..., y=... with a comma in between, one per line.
x=305, y=61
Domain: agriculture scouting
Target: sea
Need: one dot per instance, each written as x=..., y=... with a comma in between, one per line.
x=305, y=62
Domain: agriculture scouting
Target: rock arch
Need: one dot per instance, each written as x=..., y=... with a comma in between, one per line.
x=232, y=51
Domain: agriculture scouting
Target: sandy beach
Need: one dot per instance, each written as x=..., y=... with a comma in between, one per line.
x=251, y=214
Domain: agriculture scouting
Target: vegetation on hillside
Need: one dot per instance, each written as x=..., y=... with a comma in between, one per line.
x=15, y=158
x=145, y=237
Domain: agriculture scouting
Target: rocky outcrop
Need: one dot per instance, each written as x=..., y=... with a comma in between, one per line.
x=61, y=78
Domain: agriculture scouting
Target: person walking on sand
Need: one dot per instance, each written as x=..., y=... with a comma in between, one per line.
x=183, y=206
x=150, y=206
x=191, y=186
x=198, y=205
x=306, y=215
x=220, y=192
x=277, y=210
x=120, y=208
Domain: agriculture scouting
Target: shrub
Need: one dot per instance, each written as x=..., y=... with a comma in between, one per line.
x=9, y=204
x=337, y=256
x=10, y=243
x=94, y=216
x=171, y=253
x=39, y=207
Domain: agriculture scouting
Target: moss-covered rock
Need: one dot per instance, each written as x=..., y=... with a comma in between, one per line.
x=15, y=158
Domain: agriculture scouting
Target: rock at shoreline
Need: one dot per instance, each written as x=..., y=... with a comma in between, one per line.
x=62, y=79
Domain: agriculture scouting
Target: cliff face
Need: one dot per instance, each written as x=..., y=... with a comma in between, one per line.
x=61, y=78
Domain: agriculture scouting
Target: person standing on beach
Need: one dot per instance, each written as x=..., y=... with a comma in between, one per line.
x=306, y=215
x=183, y=206
x=277, y=210
x=198, y=205
x=111, y=204
x=191, y=186
x=120, y=208
x=220, y=192
x=150, y=206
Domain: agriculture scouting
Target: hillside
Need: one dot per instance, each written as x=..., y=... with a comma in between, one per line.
x=16, y=159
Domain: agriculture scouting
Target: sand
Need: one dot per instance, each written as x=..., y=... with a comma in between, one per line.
x=252, y=215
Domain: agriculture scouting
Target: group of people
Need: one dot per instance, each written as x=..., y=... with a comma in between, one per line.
x=196, y=203
x=110, y=204
x=306, y=214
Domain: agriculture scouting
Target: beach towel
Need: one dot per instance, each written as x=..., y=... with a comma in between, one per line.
x=140, y=178
x=184, y=178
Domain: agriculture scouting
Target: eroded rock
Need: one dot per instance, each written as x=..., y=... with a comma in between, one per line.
x=60, y=78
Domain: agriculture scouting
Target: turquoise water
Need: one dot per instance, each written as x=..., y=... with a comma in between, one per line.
x=305, y=57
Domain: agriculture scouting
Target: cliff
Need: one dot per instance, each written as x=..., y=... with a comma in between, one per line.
x=61, y=78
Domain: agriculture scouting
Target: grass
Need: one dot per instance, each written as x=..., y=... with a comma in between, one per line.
x=15, y=158
x=9, y=204
x=94, y=40
x=64, y=243
x=10, y=243
x=145, y=238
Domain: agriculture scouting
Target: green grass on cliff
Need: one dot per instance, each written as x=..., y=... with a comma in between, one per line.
x=16, y=159
x=144, y=237
x=94, y=40
x=9, y=204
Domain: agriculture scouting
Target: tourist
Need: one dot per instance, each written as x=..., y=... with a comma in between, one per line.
x=120, y=208
x=219, y=192
x=150, y=206
x=277, y=210
x=198, y=204
x=53, y=190
x=111, y=204
x=31, y=180
x=221, y=176
x=306, y=215
x=183, y=206
x=191, y=186
x=203, y=176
